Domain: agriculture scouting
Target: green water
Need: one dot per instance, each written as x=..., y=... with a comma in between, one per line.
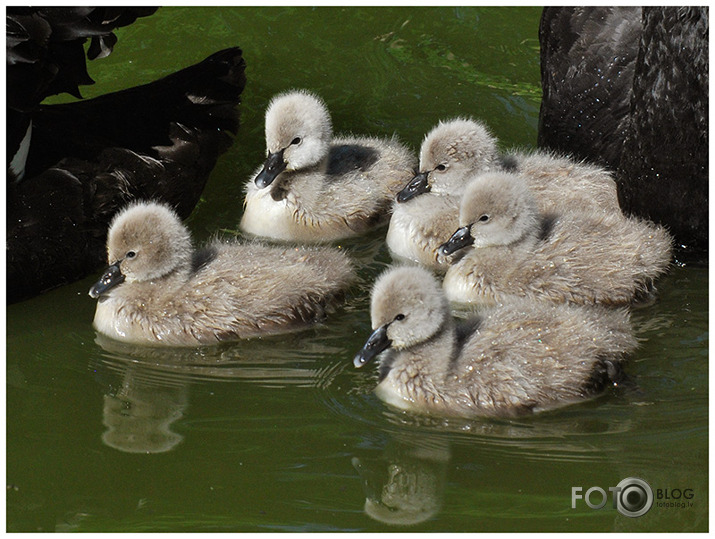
x=283, y=434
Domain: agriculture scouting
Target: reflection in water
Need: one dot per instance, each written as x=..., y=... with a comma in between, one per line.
x=140, y=412
x=139, y=416
x=154, y=382
x=272, y=362
x=571, y=434
x=405, y=486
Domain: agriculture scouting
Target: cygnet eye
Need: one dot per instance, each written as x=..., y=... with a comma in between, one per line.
x=400, y=317
x=296, y=140
x=130, y=254
x=441, y=167
x=484, y=218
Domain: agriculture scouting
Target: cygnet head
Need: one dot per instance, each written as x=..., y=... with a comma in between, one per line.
x=497, y=209
x=408, y=307
x=146, y=241
x=450, y=153
x=298, y=134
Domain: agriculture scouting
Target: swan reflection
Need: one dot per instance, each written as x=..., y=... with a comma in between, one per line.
x=405, y=486
x=142, y=408
x=140, y=415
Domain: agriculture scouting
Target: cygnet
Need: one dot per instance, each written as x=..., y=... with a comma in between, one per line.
x=515, y=358
x=512, y=249
x=159, y=290
x=314, y=187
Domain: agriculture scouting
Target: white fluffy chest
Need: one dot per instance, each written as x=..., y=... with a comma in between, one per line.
x=387, y=392
x=408, y=389
x=264, y=216
x=401, y=235
x=110, y=320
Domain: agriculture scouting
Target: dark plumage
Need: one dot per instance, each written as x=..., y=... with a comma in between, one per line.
x=45, y=48
x=628, y=88
x=87, y=159
x=587, y=63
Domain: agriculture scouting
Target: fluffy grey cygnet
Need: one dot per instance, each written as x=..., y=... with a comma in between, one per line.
x=518, y=357
x=314, y=187
x=159, y=290
x=426, y=211
x=512, y=249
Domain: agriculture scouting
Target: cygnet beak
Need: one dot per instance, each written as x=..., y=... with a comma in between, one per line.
x=460, y=239
x=376, y=343
x=274, y=165
x=416, y=186
x=111, y=278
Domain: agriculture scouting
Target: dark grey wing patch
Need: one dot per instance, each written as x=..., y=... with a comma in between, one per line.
x=547, y=227
x=465, y=329
x=348, y=157
x=509, y=163
x=202, y=257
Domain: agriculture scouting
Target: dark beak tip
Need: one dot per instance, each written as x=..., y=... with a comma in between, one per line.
x=264, y=179
x=109, y=279
x=273, y=166
x=261, y=182
x=416, y=186
x=460, y=239
x=375, y=344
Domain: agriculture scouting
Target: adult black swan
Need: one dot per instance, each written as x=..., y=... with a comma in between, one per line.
x=72, y=166
x=627, y=87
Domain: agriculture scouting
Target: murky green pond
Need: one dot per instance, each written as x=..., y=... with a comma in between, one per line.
x=283, y=434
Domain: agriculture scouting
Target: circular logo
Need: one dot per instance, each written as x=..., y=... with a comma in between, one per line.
x=634, y=498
